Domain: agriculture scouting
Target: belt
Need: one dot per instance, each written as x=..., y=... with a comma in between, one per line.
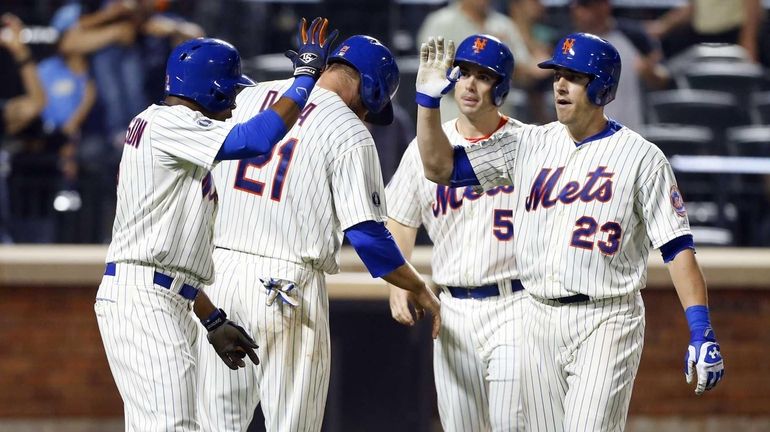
x=187, y=291
x=577, y=298
x=483, y=291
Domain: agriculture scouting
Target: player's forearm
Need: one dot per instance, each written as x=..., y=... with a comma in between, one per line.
x=688, y=279
x=436, y=152
x=203, y=307
x=404, y=237
x=406, y=277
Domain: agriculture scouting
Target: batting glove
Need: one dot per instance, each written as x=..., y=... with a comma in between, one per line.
x=313, y=48
x=231, y=342
x=435, y=77
x=279, y=288
x=703, y=355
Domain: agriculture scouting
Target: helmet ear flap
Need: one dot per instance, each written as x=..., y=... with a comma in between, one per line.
x=371, y=93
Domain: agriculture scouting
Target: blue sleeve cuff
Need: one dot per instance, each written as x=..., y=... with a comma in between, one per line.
x=462, y=171
x=427, y=101
x=670, y=250
x=376, y=247
x=254, y=137
x=300, y=90
x=699, y=322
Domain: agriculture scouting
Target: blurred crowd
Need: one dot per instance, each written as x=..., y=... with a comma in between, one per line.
x=76, y=72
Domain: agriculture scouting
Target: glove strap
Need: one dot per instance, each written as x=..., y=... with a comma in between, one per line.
x=427, y=101
x=700, y=324
x=215, y=320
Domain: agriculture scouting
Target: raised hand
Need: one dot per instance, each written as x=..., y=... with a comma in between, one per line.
x=436, y=76
x=313, y=48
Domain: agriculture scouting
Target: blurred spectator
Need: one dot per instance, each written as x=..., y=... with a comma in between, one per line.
x=640, y=56
x=463, y=18
x=71, y=94
x=713, y=21
x=16, y=113
x=539, y=39
x=108, y=35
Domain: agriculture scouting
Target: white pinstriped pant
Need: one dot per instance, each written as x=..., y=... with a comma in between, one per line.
x=292, y=379
x=149, y=335
x=580, y=363
x=476, y=361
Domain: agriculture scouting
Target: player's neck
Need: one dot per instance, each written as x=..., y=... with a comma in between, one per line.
x=587, y=127
x=478, y=126
x=346, y=90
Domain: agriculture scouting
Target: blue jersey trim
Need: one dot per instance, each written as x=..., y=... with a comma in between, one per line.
x=376, y=247
x=670, y=250
x=462, y=170
x=611, y=128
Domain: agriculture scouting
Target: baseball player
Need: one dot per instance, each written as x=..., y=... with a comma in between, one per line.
x=597, y=197
x=477, y=355
x=160, y=255
x=280, y=227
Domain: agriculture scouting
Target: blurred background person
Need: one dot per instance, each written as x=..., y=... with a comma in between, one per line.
x=16, y=113
x=640, y=57
x=712, y=21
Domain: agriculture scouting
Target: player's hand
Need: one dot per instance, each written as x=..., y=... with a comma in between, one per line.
x=435, y=77
x=313, y=48
x=423, y=300
x=399, y=306
x=231, y=342
x=704, y=359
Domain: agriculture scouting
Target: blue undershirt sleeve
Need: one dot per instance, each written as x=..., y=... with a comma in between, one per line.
x=376, y=247
x=670, y=250
x=254, y=137
x=462, y=171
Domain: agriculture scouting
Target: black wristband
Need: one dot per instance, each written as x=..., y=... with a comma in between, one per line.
x=216, y=319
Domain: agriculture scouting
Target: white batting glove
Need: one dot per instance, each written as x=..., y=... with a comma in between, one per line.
x=279, y=288
x=435, y=77
x=704, y=358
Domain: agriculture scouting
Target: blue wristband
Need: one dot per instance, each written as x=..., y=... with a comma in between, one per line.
x=699, y=322
x=427, y=101
x=300, y=90
x=216, y=319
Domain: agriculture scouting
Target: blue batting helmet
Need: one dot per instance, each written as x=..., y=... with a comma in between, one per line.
x=207, y=71
x=379, y=74
x=590, y=55
x=491, y=54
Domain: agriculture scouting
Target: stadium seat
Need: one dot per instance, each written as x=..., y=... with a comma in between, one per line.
x=749, y=141
x=739, y=79
x=711, y=223
x=712, y=109
x=762, y=106
x=678, y=139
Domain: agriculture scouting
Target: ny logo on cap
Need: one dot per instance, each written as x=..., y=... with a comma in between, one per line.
x=479, y=44
x=567, y=45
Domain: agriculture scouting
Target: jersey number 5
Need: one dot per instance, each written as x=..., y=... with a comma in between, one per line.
x=503, y=225
x=582, y=237
x=245, y=184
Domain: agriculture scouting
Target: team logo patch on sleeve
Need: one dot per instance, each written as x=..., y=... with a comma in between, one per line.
x=204, y=122
x=677, y=201
x=376, y=199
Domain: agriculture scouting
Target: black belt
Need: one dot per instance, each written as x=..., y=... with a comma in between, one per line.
x=483, y=291
x=188, y=291
x=577, y=298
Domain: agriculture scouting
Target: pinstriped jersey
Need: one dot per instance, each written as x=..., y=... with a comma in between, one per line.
x=590, y=212
x=472, y=232
x=166, y=201
x=293, y=204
